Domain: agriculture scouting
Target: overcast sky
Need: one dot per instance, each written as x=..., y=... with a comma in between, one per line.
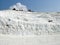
x=35, y=5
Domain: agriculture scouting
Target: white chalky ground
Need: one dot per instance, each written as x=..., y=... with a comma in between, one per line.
x=29, y=28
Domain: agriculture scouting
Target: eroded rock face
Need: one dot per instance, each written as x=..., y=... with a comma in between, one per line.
x=28, y=23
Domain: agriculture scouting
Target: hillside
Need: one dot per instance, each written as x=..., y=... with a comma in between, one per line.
x=29, y=28
x=29, y=23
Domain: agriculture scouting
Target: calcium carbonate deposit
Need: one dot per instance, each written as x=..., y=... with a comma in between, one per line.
x=29, y=23
x=29, y=28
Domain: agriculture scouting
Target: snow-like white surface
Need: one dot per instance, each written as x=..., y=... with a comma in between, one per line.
x=28, y=23
x=30, y=40
x=29, y=28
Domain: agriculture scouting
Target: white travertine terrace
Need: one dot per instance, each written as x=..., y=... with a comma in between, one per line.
x=29, y=28
x=29, y=23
